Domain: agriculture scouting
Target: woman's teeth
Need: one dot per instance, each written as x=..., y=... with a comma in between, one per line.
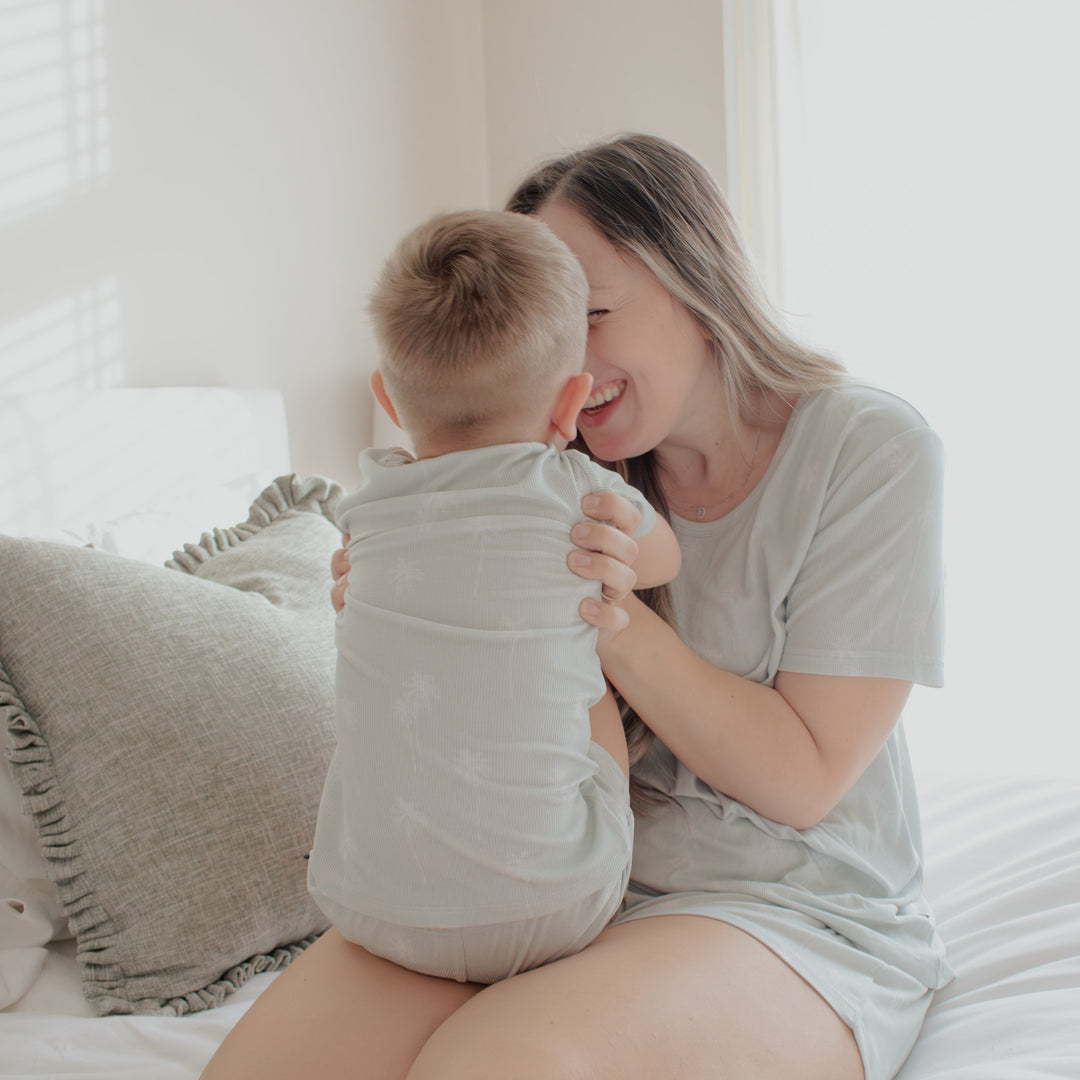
x=604, y=395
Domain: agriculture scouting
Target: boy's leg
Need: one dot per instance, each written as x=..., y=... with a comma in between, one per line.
x=607, y=729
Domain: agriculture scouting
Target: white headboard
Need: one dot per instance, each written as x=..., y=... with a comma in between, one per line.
x=136, y=462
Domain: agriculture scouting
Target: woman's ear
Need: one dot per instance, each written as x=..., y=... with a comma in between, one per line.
x=378, y=388
x=568, y=404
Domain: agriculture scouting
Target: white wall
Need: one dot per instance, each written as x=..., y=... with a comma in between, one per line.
x=566, y=72
x=200, y=192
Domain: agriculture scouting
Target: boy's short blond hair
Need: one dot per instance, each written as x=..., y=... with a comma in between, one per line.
x=478, y=314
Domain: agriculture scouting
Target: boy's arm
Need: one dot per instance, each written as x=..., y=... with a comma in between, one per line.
x=658, y=558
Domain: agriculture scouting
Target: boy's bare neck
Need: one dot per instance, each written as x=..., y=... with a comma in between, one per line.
x=437, y=445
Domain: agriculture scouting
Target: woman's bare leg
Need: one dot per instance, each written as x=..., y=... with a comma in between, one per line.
x=337, y=1011
x=665, y=996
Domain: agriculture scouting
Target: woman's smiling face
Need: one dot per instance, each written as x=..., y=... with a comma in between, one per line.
x=650, y=361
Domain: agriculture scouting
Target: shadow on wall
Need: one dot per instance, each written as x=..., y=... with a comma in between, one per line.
x=62, y=330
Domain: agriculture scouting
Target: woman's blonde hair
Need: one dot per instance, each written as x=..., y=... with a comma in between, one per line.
x=475, y=314
x=654, y=202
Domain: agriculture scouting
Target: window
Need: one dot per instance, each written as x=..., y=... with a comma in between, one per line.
x=929, y=227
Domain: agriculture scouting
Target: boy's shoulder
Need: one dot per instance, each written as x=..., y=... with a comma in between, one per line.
x=594, y=478
x=582, y=460
x=591, y=471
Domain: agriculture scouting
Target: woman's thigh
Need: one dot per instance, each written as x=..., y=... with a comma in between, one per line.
x=666, y=996
x=337, y=1011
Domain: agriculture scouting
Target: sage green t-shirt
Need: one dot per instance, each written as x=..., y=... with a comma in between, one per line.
x=832, y=566
x=464, y=789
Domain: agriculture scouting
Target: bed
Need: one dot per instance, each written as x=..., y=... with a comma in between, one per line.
x=167, y=728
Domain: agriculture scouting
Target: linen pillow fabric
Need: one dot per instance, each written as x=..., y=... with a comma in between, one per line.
x=170, y=733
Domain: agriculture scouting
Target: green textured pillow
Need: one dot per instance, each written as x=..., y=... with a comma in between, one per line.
x=170, y=730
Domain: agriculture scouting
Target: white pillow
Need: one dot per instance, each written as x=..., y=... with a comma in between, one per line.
x=23, y=871
x=24, y=930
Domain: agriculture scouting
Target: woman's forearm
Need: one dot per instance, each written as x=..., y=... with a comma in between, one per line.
x=740, y=737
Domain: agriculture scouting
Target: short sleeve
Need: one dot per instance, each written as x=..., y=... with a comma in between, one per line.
x=868, y=599
x=595, y=478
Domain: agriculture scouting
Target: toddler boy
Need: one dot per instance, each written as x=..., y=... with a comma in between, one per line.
x=475, y=820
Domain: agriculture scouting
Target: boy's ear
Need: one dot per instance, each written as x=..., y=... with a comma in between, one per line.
x=378, y=388
x=572, y=396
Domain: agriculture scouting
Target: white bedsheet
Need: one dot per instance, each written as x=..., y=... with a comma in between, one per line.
x=1004, y=875
x=52, y=1032
x=1003, y=872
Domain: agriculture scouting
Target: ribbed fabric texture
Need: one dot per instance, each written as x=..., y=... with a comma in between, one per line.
x=462, y=791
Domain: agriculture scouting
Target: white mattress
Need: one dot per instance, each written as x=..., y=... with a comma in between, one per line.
x=52, y=1032
x=1003, y=871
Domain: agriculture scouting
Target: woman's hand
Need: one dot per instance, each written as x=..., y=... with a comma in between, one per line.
x=605, y=553
x=339, y=569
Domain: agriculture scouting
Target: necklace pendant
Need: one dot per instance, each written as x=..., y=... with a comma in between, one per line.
x=701, y=513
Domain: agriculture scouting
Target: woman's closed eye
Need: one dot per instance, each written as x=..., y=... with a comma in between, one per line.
x=597, y=311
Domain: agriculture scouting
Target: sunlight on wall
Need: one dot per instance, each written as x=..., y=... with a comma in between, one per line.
x=73, y=343
x=54, y=125
x=54, y=154
x=933, y=248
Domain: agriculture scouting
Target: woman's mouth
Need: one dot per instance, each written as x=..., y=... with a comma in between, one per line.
x=602, y=397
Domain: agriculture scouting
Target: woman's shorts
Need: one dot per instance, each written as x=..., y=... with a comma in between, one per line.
x=883, y=1006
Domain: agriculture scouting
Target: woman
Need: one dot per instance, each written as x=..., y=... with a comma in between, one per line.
x=775, y=924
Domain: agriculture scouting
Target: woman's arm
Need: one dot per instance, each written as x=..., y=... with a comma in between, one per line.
x=790, y=752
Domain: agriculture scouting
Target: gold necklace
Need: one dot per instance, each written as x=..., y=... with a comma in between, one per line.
x=701, y=512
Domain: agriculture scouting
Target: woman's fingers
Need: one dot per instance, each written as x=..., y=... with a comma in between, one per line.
x=606, y=616
x=339, y=570
x=339, y=561
x=618, y=578
x=337, y=593
x=606, y=540
x=608, y=549
x=614, y=509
